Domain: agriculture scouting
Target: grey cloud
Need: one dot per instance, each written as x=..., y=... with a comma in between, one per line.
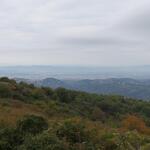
x=101, y=41
x=72, y=31
x=138, y=23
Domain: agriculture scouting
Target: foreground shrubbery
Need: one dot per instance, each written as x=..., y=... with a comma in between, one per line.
x=62, y=119
x=71, y=134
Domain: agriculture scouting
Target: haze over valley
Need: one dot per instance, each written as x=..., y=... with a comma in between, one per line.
x=75, y=72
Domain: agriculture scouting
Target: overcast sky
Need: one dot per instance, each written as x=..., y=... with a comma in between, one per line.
x=75, y=32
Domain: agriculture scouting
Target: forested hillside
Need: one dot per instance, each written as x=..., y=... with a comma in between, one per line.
x=35, y=118
x=138, y=89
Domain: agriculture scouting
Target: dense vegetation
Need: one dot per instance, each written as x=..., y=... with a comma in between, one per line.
x=45, y=119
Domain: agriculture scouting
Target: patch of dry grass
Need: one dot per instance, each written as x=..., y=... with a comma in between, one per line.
x=13, y=110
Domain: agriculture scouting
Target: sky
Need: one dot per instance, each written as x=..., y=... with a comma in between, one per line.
x=75, y=32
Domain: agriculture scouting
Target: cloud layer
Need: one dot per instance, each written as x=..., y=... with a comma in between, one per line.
x=74, y=32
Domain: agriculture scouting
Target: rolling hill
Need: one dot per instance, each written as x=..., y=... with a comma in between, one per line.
x=139, y=89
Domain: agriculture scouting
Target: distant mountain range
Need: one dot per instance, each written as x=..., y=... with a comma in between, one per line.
x=120, y=86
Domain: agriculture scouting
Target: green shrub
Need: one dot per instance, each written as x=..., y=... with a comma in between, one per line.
x=44, y=141
x=49, y=92
x=72, y=131
x=5, y=79
x=31, y=124
x=129, y=140
x=5, y=90
x=10, y=138
x=63, y=95
x=38, y=94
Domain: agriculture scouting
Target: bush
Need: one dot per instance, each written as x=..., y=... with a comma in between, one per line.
x=73, y=131
x=31, y=124
x=107, y=140
x=63, y=95
x=5, y=90
x=10, y=138
x=98, y=115
x=44, y=141
x=5, y=79
x=49, y=92
x=129, y=140
x=38, y=94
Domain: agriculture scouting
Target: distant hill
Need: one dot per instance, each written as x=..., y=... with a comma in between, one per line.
x=51, y=82
x=139, y=89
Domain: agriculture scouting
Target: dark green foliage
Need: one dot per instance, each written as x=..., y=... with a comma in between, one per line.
x=5, y=79
x=10, y=138
x=32, y=124
x=49, y=92
x=27, y=128
x=63, y=95
x=43, y=141
x=38, y=94
x=98, y=115
x=5, y=90
x=72, y=132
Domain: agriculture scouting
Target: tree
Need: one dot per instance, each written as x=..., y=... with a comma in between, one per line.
x=62, y=95
x=132, y=122
x=97, y=114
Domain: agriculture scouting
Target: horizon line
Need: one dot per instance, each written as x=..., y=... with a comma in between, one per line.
x=87, y=66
